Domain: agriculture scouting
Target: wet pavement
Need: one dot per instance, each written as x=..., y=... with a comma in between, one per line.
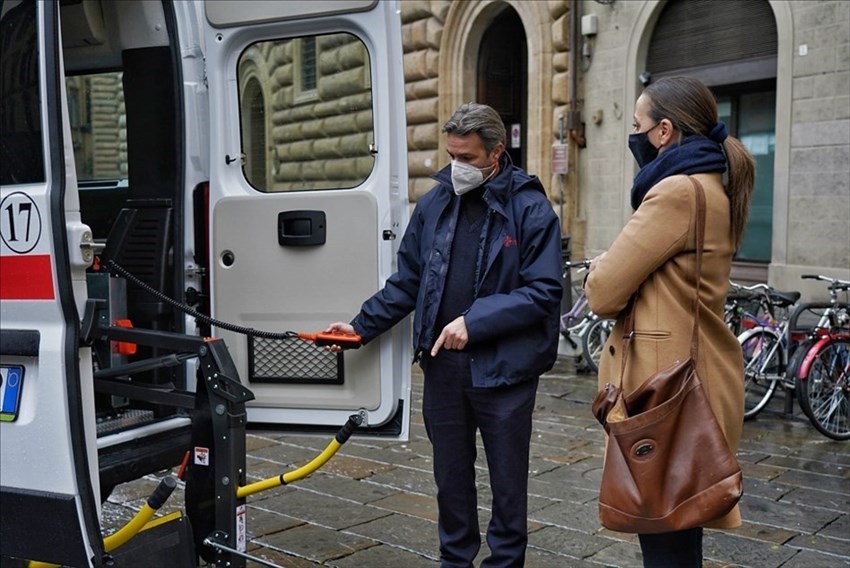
x=373, y=505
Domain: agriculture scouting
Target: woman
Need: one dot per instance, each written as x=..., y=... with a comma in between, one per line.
x=677, y=134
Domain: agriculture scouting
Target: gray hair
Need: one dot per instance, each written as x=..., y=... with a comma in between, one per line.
x=479, y=119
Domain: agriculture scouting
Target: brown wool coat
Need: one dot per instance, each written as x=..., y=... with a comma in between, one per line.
x=654, y=256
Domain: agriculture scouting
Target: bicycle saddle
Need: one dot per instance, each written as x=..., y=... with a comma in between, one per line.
x=784, y=299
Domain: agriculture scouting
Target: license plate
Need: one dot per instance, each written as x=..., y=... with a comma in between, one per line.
x=11, y=385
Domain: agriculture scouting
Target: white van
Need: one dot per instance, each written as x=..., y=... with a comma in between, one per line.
x=163, y=161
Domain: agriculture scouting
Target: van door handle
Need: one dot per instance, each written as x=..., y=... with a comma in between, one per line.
x=301, y=228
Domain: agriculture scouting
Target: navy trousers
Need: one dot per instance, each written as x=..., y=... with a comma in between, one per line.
x=453, y=410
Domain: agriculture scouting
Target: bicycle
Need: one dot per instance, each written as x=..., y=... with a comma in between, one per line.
x=583, y=331
x=765, y=345
x=744, y=305
x=594, y=341
x=821, y=367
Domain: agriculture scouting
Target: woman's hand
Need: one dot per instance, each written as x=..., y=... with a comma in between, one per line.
x=594, y=264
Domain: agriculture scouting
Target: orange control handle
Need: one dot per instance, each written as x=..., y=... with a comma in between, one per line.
x=344, y=340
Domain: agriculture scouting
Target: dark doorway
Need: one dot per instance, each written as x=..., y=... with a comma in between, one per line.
x=503, y=78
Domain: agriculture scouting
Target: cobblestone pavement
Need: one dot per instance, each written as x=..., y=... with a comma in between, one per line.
x=373, y=505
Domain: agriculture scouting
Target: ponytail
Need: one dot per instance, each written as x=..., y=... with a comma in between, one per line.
x=740, y=188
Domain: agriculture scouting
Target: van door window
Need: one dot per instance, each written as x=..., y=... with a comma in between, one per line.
x=99, y=136
x=306, y=113
x=22, y=148
x=98, y=125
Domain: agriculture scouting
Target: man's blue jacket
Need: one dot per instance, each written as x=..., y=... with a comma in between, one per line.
x=513, y=323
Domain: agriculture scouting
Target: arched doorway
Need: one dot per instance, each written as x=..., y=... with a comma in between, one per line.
x=503, y=78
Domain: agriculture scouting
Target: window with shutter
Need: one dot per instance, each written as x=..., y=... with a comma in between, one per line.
x=730, y=45
x=693, y=34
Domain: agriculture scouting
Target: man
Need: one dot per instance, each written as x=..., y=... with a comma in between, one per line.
x=480, y=263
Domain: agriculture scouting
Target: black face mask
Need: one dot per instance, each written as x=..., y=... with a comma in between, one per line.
x=642, y=149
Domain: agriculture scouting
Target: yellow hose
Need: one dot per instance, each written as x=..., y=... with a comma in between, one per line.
x=341, y=437
x=163, y=519
x=129, y=530
x=293, y=475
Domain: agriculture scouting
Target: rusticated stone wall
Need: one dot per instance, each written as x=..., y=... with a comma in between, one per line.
x=422, y=28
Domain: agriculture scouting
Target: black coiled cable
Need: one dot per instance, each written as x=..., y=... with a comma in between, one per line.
x=118, y=270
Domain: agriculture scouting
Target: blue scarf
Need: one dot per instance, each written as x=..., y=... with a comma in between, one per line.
x=694, y=154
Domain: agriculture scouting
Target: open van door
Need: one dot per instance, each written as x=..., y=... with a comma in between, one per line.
x=48, y=458
x=307, y=201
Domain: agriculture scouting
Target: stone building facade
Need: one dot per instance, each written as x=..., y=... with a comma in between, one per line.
x=809, y=178
x=565, y=74
x=781, y=70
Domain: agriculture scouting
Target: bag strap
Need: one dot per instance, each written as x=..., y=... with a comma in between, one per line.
x=629, y=324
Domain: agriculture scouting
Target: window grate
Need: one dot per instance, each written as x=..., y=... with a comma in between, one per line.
x=292, y=361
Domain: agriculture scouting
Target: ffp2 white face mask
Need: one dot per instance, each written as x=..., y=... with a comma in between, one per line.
x=466, y=177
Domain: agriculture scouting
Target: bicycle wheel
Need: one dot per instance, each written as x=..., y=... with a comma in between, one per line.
x=824, y=394
x=763, y=355
x=594, y=341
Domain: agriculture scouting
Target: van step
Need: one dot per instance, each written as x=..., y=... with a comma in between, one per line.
x=126, y=419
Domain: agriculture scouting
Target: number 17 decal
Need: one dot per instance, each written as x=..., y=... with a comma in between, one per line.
x=20, y=222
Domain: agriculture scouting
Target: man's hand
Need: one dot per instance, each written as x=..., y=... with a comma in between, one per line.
x=453, y=336
x=340, y=327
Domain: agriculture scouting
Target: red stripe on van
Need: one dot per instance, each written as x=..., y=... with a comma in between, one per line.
x=26, y=277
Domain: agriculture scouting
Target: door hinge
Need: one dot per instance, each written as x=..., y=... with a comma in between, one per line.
x=89, y=248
